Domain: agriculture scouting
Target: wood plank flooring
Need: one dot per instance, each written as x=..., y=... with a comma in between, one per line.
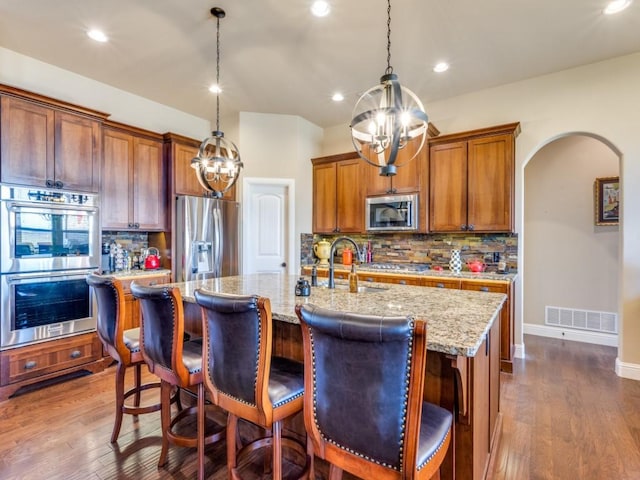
x=566, y=415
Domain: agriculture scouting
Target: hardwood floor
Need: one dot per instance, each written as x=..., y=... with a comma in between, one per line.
x=566, y=415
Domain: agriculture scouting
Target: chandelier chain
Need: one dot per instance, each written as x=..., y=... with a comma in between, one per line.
x=389, y=67
x=218, y=74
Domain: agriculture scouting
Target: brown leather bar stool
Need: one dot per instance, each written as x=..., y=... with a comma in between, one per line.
x=123, y=346
x=243, y=377
x=364, y=381
x=177, y=363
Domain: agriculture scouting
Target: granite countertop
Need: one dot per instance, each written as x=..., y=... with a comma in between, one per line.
x=407, y=270
x=133, y=274
x=457, y=320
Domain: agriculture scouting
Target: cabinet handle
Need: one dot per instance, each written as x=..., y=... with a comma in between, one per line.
x=440, y=285
x=463, y=226
x=368, y=279
x=75, y=354
x=402, y=282
x=484, y=289
x=49, y=183
x=137, y=225
x=471, y=227
x=30, y=364
x=486, y=347
x=59, y=184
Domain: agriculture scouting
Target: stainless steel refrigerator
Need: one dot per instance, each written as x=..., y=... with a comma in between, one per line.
x=206, y=238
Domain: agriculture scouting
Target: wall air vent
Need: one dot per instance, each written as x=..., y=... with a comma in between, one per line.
x=605, y=322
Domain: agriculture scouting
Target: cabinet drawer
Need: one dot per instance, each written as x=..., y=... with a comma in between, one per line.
x=485, y=286
x=441, y=282
x=48, y=357
x=397, y=279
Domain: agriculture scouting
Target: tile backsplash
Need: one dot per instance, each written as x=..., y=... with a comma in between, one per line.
x=433, y=249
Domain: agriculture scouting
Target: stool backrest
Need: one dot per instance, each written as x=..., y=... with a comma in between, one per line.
x=110, y=301
x=162, y=331
x=364, y=377
x=236, y=332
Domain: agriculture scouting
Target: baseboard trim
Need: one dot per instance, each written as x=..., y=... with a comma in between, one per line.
x=519, y=350
x=627, y=370
x=608, y=339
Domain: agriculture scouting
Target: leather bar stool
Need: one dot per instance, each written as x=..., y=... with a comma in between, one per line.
x=243, y=378
x=123, y=346
x=177, y=362
x=364, y=381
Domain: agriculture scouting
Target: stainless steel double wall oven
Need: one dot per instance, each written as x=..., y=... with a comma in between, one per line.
x=49, y=241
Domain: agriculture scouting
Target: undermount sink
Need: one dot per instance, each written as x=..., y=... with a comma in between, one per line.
x=361, y=288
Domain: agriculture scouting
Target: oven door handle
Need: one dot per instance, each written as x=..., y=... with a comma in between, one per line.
x=31, y=208
x=62, y=273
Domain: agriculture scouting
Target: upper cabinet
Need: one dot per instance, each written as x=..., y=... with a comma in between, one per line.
x=133, y=179
x=49, y=144
x=471, y=184
x=179, y=151
x=338, y=194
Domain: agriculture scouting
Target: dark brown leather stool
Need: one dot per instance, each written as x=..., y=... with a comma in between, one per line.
x=176, y=362
x=122, y=345
x=244, y=379
x=364, y=381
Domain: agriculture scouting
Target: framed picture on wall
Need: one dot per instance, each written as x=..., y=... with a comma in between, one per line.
x=607, y=200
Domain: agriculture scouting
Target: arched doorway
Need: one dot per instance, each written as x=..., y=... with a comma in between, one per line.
x=570, y=265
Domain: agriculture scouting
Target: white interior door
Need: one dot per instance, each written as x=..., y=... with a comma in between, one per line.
x=268, y=225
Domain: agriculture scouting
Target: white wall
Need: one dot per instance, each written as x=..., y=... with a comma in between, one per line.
x=281, y=146
x=33, y=75
x=569, y=261
x=600, y=99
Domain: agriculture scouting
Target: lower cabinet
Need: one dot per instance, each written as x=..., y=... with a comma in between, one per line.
x=24, y=366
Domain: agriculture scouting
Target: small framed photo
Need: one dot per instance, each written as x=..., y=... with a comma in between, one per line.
x=607, y=200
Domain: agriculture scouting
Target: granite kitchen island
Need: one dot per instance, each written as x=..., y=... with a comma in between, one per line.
x=463, y=365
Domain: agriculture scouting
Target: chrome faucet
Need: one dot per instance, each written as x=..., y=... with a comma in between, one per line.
x=332, y=283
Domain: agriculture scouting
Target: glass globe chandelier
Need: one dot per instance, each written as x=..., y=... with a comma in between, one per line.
x=217, y=164
x=386, y=118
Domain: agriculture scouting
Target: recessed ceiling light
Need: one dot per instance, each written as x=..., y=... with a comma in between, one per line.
x=215, y=88
x=320, y=8
x=337, y=97
x=616, y=6
x=97, y=35
x=441, y=67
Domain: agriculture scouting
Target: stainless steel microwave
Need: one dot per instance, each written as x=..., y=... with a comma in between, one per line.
x=392, y=213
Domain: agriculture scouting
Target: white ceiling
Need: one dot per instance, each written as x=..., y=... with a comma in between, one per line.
x=277, y=58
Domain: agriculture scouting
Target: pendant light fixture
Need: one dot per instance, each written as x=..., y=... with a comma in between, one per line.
x=387, y=118
x=217, y=164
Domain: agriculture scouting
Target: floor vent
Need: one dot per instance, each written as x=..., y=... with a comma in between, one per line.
x=605, y=322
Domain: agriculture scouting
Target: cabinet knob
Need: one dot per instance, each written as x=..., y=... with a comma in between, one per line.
x=471, y=227
x=30, y=364
x=368, y=279
x=463, y=226
x=440, y=285
x=59, y=184
x=484, y=289
x=49, y=183
x=75, y=354
x=402, y=282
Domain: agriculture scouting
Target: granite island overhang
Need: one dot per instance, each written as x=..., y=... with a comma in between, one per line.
x=463, y=363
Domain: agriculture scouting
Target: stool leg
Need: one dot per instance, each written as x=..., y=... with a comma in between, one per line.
x=277, y=450
x=120, y=373
x=165, y=415
x=232, y=432
x=311, y=459
x=335, y=473
x=138, y=381
x=201, y=434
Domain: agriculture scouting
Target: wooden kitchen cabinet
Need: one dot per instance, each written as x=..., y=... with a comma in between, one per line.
x=132, y=304
x=408, y=177
x=471, y=180
x=45, y=143
x=338, y=200
x=23, y=366
x=133, y=180
x=178, y=152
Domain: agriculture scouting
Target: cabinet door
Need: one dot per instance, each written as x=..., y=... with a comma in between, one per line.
x=490, y=183
x=149, y=207
x=407, y=179
x=186, y=182
x=448, y=187
x=77, y=153
x=27, y=142
x=117, y=177
x=376, y=184
x=350, y=200
x=324, y=198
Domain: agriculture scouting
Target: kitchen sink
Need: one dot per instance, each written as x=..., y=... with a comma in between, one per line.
x=361, y=288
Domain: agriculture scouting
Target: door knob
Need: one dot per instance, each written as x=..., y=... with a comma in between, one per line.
x=283, y=264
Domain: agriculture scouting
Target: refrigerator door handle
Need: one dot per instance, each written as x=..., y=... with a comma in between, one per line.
x=219, y=238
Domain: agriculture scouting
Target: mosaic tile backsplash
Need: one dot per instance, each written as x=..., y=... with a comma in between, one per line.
x=432, y=249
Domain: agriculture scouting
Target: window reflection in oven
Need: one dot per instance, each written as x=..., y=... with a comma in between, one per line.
x=51, y=234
